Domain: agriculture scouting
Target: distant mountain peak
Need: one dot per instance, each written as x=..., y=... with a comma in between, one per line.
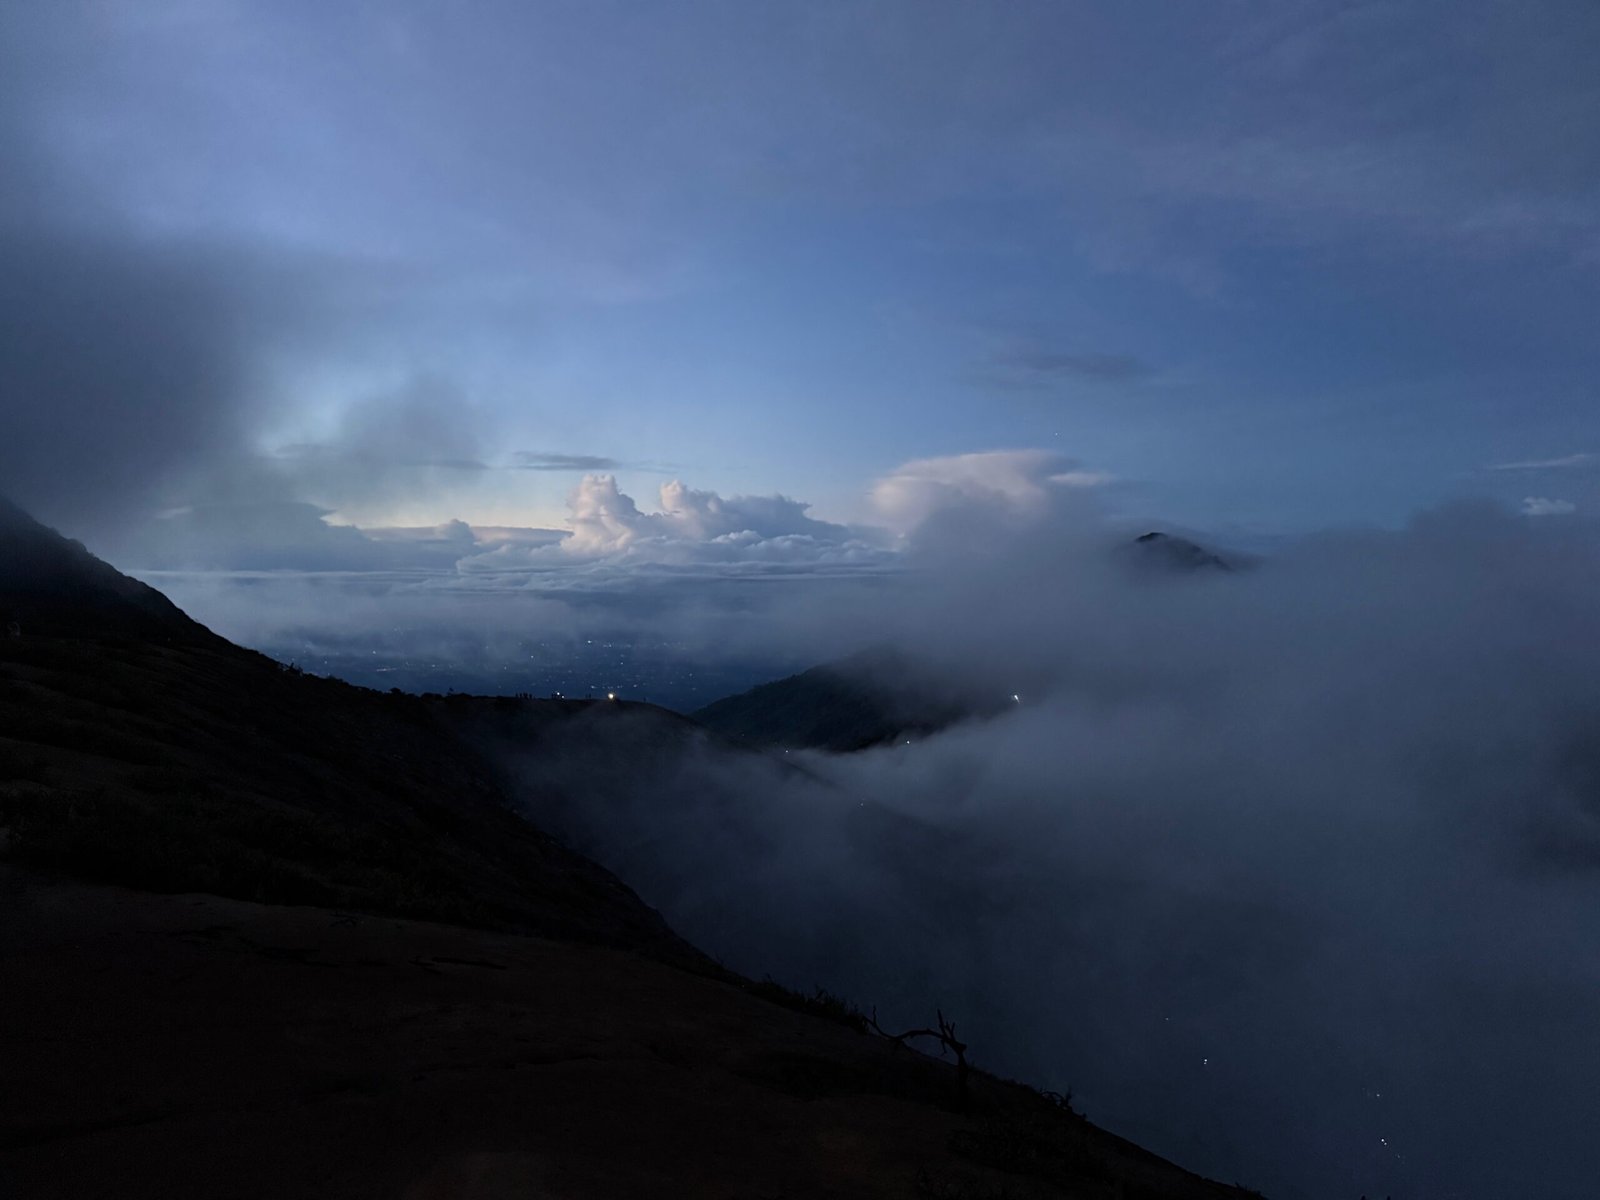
x=878, y=695
x=1178, y=553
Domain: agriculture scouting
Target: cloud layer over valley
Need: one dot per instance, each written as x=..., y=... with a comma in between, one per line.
x=1288, y=871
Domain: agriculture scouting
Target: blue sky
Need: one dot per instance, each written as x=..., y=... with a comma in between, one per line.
x=1271, y=266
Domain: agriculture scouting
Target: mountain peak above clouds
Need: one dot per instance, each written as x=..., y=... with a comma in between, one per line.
x=1157, y=549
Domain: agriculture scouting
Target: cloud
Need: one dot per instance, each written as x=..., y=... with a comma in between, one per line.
x=699, y=524
x=283, y=535
x=1547, y=464
x=1019, y=481
x=466, y=537
x=123, y=364
x=1029, y=367
x=139, y=366
x=696, y=571
x=1280, y=870
x=419, y=438
x=525, y=460
x=1542, y=506
x=456, y=533
x=293, y=536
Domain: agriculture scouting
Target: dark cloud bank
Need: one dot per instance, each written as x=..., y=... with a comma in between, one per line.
x=1288, y=872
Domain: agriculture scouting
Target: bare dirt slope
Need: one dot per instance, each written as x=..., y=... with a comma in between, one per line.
x=190, y=1046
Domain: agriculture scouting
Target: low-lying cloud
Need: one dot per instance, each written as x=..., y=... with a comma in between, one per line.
x=1289, y=872
x=683, y=599
x=606, y=521
x=746, y=578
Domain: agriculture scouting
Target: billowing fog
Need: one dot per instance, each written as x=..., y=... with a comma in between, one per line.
x=1290, y=872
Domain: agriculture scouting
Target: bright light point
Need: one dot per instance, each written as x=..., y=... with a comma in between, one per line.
x=1016, y=697
x=611, y=695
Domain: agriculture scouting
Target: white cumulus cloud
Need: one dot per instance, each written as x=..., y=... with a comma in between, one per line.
x=1023, y=481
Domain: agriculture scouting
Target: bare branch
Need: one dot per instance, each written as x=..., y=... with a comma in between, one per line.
x=945, y=1035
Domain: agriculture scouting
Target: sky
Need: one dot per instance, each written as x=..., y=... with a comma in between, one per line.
x=1263, y=268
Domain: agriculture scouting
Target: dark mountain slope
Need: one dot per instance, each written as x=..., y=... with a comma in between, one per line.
x=190, y=1047
x=865, y=700
x=138, y=748
x=50, y=585
x=189, y=769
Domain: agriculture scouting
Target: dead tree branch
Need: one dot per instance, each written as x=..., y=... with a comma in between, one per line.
x=945, y=1035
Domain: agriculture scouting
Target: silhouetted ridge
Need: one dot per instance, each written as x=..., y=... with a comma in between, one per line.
x=50, y=585
x=870, y=698
x=139, y=748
